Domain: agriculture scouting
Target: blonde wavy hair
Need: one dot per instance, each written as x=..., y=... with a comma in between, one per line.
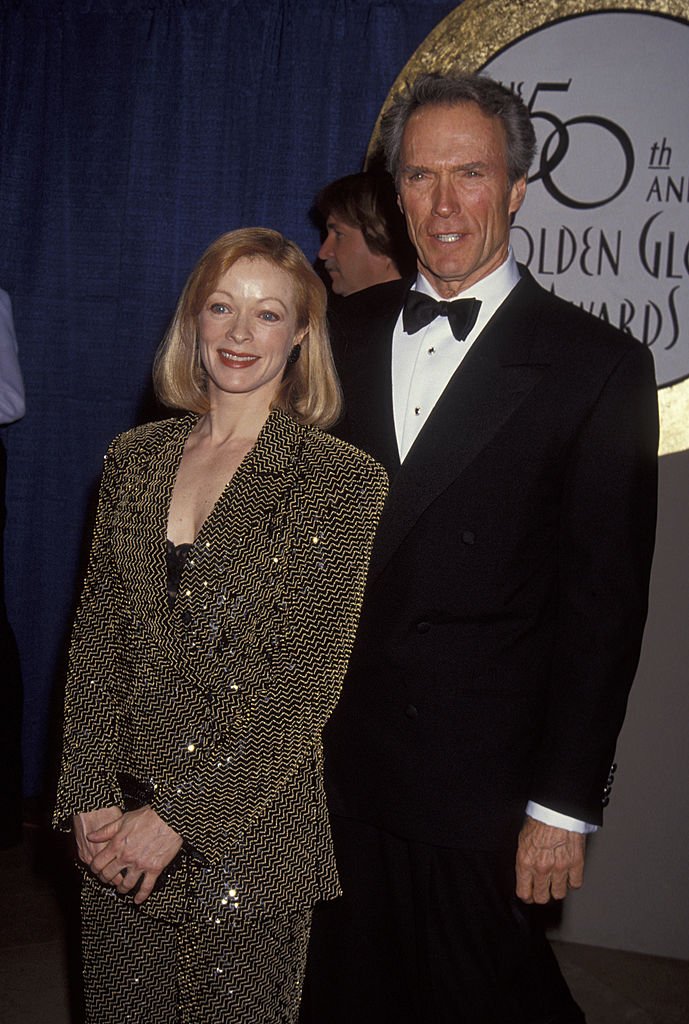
x=309, y=390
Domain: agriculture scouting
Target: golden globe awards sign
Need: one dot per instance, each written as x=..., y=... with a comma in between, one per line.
x=606, y=219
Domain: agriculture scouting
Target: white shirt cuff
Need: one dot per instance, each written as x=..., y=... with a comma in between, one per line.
x=548, y=817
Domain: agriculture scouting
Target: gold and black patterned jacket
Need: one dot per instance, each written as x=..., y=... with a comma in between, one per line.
x=216, y=707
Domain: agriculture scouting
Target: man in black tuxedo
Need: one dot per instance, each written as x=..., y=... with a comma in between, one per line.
x=506, y=599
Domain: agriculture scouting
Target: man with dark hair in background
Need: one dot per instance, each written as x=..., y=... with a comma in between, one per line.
x=366, y=252
x=472, y=747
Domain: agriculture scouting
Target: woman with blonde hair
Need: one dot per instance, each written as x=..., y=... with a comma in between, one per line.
x=220, y=604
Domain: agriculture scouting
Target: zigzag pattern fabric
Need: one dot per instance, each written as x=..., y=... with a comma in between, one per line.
x=149, y=971
x=216, y=707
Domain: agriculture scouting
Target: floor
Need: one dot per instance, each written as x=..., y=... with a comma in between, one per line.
x=39, y=952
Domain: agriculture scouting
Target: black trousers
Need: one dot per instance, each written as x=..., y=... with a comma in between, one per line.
x=428, y=935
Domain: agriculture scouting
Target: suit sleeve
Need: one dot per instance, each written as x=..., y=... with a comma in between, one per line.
x=606, y=542
x=335, y=574
x=87, y=778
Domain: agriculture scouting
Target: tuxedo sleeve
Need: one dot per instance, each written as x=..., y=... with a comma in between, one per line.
x=606, y=540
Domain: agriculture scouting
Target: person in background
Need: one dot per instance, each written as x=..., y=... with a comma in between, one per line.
x=222, y=595
x=12, y=408
x=472, y=748
x=366, y=251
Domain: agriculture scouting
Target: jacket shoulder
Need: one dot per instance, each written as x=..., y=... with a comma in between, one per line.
x=567, y=324
x=148, y=438
x=337, y=456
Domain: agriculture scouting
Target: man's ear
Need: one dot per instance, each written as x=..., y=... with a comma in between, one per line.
x=517, y=194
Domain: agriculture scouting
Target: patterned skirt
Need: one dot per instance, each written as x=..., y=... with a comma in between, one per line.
x=144, y=970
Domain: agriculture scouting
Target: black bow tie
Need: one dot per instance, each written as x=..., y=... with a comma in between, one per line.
x=420, y=309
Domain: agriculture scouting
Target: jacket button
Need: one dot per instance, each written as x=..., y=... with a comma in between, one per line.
x=605, y=801
x=186, y=616
x=423, y=627
x=411, y=712
x=468, y=537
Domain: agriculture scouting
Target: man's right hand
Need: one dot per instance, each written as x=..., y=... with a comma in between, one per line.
x=550, y=862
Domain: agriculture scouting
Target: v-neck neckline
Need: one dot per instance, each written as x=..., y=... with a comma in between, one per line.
x=243, y=467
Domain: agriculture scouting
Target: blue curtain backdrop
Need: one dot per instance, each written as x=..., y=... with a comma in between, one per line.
x=132, y=133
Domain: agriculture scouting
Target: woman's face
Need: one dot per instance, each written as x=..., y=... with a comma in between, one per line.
x=247, y=328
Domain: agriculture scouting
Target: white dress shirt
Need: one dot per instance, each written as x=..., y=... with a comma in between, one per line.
x=423, y=363
x=422, y=366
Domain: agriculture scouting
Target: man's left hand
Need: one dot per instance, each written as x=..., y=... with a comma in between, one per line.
x=550, y=861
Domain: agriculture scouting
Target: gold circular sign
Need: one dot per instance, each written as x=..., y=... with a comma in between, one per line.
x=474, y=33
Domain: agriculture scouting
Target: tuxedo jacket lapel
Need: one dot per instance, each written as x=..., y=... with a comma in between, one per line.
x=502, y=367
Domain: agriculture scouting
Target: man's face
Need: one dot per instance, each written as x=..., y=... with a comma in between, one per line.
x=454, y=193
x=349, y=261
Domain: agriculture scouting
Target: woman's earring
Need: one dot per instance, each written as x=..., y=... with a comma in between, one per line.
x=294, y=354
